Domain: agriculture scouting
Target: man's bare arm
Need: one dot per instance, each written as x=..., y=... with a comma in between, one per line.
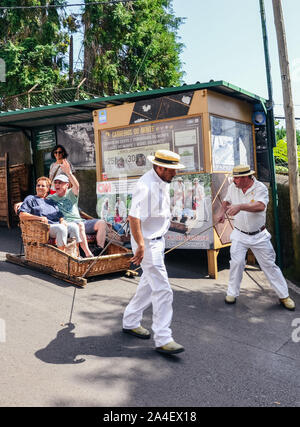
x=248, y=207
x=222, y=211
x=66, y=168
x=136, y=231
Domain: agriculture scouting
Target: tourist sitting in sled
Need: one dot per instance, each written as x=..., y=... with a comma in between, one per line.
x=67, y=200
x=39, y=208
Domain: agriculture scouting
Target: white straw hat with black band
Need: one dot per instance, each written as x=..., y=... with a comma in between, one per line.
x=166, y=159
x=242, y=170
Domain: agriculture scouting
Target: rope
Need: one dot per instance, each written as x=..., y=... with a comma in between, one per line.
x=181, y=243
x=88, y=269
x=72, y=304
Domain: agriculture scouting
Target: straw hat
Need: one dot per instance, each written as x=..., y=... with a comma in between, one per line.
x=242, y=170
x=166, y=159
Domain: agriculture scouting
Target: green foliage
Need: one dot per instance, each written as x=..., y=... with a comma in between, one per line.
x=128, y=47
x=280, y=151
x=29, y=64
x=132, y=46
x=33, y=44
x=281, y=156
x=281, y=134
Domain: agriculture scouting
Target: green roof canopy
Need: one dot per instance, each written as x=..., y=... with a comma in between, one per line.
x=81, y=111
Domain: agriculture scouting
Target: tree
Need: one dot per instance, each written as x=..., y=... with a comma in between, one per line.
x=128, y=46
x=33, y=44
x=131, y=46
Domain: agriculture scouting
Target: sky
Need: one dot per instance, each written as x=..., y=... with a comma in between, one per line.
x=223, y=41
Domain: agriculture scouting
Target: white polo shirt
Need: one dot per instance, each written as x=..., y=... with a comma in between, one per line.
x=249, y=221
x=151, y=204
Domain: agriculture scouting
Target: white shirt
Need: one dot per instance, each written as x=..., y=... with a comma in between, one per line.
x=249, y=221
x=151, y=204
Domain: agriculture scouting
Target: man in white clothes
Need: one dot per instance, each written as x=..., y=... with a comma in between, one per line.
x=199, y=195
x=177, y=210
x=120, y=206
x=149, y=219
x=247, y=201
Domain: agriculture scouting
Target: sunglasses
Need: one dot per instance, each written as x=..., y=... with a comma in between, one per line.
x=58, y=152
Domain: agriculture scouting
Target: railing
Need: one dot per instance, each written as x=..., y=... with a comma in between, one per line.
x=38, y=98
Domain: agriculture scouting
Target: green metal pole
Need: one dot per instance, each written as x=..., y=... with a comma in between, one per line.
x=271, y=132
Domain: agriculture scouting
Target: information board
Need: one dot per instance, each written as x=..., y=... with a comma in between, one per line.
x=125, y=150
x=45, y=139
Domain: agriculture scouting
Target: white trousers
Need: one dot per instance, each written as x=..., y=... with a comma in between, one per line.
x=154, y=288
x=60, y=232
x=263, y=251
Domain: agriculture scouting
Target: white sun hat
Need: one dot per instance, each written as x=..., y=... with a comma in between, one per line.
x=166, y=159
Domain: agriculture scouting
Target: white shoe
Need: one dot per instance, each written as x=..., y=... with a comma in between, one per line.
x=170, y=348
x=230, y=300
x=139, y=332
x=287, y=303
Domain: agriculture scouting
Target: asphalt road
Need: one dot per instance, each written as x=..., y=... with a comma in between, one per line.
x=241, y=355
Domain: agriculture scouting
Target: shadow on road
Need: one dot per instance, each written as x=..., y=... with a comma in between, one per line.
x=66, y=347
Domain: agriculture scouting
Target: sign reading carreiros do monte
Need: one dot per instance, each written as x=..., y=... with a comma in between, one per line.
x=125, y=150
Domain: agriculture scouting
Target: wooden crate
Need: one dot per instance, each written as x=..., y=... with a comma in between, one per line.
x=4, y=194
x=14, y=184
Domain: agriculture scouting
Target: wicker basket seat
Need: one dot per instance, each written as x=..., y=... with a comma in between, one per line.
x=91, y=238
x=39, y=252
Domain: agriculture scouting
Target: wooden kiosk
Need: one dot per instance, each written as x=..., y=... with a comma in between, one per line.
x=211, y=130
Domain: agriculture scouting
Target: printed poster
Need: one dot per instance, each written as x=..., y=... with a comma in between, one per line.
x=190, y=208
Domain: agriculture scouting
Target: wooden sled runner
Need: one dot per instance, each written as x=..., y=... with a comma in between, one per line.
x=45, y=257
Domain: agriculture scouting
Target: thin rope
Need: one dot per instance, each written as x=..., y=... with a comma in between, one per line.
x=62, y=6
x=72, y=305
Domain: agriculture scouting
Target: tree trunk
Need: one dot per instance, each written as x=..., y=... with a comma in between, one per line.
x=290, y=128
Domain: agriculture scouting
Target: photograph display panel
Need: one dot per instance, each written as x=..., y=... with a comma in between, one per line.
x=125, y=150
x=191, y=212
x=78, y=140
x=232, y=143
x=190, y=203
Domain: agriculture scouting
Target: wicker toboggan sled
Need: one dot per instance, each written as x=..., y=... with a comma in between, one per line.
x=41, y=255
